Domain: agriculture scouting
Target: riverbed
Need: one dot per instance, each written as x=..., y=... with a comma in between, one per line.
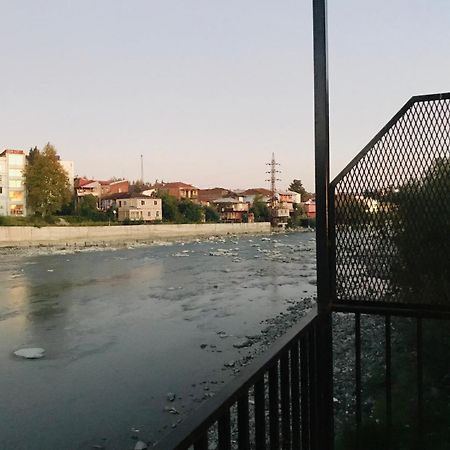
x=136, y=338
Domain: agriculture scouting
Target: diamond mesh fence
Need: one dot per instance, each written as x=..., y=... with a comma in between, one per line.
x=392, y=211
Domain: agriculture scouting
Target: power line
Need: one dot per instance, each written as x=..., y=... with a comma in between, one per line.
x=273, y=178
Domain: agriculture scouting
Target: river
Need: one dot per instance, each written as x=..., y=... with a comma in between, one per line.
x=124, y=327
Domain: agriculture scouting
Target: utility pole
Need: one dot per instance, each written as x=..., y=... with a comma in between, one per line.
x=273, y=178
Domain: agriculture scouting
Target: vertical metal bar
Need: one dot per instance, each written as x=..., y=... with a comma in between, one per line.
x=322, y=172
x=274, y=417
x=312, y=377
x=295, y=397
x=285, y=403
x=321, y=138
x=243, y=423
x=387, y=330
x=260, y=417
x=420, y=428
x=224, y=432
x=358, y=414
x=304, y=392
x=202, y=442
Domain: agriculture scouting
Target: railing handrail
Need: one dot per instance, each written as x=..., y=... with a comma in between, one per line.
x=413, y=100
x=207, y=414
x=437, y=312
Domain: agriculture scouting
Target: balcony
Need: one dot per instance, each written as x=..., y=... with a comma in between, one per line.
x=369, y=368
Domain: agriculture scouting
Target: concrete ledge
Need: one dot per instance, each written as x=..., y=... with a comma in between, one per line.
x=68, y=235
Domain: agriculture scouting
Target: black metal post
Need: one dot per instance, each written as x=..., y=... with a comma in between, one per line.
x=321, y=128
x=324, y=356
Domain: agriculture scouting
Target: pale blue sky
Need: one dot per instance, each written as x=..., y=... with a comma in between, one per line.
x=206, y=90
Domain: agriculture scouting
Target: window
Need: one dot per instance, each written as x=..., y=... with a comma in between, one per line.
x=16, y=196
x=120, y=202
x=16, y=210
x=15, y=173
x=16, y=160
x=157, y=213
x=149, y=214
x=155, y=202
x=15, y=183
x=142, y=202
x=124, y=203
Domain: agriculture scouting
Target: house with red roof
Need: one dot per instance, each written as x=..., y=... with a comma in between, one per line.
x=179, y=190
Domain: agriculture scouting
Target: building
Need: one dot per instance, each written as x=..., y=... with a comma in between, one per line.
x=280, y=216
x=84, y=187
x=208, y=196
x=69, y=168
x=114, y=187
x=139, y=207
x=310, y=208
x=233, y=209
x=179, y=190
x=250, y=195
x=12, y=183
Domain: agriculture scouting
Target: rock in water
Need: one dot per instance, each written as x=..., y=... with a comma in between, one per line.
x=140, y=445
x=30, y=353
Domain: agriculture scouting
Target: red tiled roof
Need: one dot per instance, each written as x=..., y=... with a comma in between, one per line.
x=80, y=182
x=126, y=195
x=10, y=150
x=214, y=193
x=255, y=191
x=175, y=184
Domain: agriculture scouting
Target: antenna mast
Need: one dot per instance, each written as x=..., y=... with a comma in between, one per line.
x=273, y=178
x=142, y=169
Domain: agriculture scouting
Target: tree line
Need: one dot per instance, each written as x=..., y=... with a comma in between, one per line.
x=49, y=194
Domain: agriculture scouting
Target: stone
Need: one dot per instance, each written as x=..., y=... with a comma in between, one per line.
x=30, y=353
x=171, y=396
x=140, y=445
x=171, y=410
x=243, y=344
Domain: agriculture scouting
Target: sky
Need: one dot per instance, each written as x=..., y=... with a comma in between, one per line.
x=207, y=90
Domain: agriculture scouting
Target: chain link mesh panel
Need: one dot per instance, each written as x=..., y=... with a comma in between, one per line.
x=392, y=211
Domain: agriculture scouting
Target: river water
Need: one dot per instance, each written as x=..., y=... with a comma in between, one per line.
x=122, y=328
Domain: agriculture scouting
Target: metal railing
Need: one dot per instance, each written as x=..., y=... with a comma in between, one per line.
x=277, y=402
x=271, y=404
x=391, y=382
x=390, y=213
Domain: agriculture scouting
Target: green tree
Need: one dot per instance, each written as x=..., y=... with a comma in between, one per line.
x=138, y=186
x=169, y=207
x=260, y=210
x=190, y=211
x=211, y=214
x=297, y=216
x=420, y=228
x=47, y=185
x=32, y=154
x=297, y=186
x=87, y=206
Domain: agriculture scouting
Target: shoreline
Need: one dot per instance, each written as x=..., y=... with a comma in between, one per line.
x=59, y=248
x=106, y=236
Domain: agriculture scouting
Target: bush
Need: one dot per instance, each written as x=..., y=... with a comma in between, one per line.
x=419, y=226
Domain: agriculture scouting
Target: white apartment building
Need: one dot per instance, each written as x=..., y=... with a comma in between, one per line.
x=69, y=168
x=12, y=187
x=13, y=194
